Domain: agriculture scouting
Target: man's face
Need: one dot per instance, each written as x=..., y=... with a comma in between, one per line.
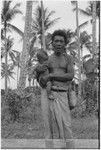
x=58, y=44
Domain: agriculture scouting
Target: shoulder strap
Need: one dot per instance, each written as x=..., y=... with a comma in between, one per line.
x=66, y=57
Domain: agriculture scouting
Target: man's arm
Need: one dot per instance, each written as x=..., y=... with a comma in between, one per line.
x=62, y=77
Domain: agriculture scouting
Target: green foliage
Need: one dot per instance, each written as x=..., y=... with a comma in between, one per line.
x=10, y=71
x=90, y=95
x=20, y=107
x=13, y=103
x=89, y=102
x=37, y=22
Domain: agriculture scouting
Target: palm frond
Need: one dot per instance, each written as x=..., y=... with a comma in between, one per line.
x=51, y=23
x=17, y=5
x=73, y=2
x=10, y=71
x=82, y=25
x=13, y=12
x=16, y=29
x=37, y=22
x=6, y=7
x=83, y=12
x=85, y=57
x=50, y=14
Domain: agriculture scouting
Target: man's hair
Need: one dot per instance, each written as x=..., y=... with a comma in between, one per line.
x=42, y=55
x=60, y=33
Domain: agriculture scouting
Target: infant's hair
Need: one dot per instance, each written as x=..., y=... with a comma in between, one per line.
x=42, y=55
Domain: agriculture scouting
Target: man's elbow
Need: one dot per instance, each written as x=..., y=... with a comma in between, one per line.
x=72, y=76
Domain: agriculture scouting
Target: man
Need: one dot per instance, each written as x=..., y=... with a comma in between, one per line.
x=61, y=73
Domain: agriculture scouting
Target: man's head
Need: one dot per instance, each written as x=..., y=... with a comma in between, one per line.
x=42, y=56
x=59, y=41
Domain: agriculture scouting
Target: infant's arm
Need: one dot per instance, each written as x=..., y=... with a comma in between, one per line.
x=48, y=87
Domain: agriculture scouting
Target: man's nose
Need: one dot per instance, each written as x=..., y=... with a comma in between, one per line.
x=59, y=43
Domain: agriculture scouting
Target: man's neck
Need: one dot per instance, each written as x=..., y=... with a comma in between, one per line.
x=58, y=54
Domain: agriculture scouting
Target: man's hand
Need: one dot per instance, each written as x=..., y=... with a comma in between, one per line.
x=41, y=68
x=61, y=77
x=45, y=78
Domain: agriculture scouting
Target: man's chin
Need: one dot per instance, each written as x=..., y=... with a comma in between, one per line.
x=58, y=53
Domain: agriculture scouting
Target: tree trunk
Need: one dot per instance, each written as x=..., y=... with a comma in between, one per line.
x=17, y=75
x=5, y=61
x=25, y=54
x=29, y=82
x=78, y=39
x=43, y=30
x=94, y=48
x=94, y=27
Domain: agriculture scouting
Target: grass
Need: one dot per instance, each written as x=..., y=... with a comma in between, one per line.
x=83, y=128
x=30, y=126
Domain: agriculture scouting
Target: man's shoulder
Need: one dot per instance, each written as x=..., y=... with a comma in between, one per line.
x=51, y=57
x=69, y=58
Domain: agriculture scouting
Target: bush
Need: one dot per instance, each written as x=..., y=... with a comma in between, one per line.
x=13, y=102
x=90, y=95
x=17, y=107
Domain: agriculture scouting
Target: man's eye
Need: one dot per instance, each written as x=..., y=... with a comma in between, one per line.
x=59, y=41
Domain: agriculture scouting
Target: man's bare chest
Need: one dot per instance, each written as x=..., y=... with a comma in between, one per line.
x=58, y=64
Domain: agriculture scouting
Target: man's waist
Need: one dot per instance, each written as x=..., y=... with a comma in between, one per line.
x=58, y=90
x=61, y=85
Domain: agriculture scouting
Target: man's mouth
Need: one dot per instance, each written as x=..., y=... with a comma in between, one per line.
x=58, y=48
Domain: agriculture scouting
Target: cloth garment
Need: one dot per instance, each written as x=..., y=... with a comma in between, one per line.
x=46, y=113
x=57, y=110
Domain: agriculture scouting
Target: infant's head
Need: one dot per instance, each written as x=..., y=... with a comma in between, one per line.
x=42, y=56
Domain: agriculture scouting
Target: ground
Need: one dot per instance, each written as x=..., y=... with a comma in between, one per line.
x=83, y=128
x=30, y=125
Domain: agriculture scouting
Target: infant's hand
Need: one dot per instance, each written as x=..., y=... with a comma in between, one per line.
x=48, y=89
x=41, y=68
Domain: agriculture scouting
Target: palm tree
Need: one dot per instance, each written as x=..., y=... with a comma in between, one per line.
x=26, y=46
x=7, y=15
x=78, y=45
x=85, y=42
x=36, y=32
x=10, y=71
x=94, y=27
x=16, y=63
x=37, y=22
x=89, y=13
x=10, y=52
x=13, y=54
x=93, y=11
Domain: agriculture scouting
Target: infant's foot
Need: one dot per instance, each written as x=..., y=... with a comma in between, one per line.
x=51, y=97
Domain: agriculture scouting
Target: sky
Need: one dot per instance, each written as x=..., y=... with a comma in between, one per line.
x=62, y=8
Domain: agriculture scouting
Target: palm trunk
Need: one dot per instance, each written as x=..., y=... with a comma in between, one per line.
x=30, y=83
x=99, y=32
x=24, y=56
x=43, y=30
x=5, y=62
x=17, y=75
x=94, y=48
x=94, y=27
x=83, y=90
x=78, y=39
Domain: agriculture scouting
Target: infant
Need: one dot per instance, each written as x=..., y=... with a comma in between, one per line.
x=42, y=70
